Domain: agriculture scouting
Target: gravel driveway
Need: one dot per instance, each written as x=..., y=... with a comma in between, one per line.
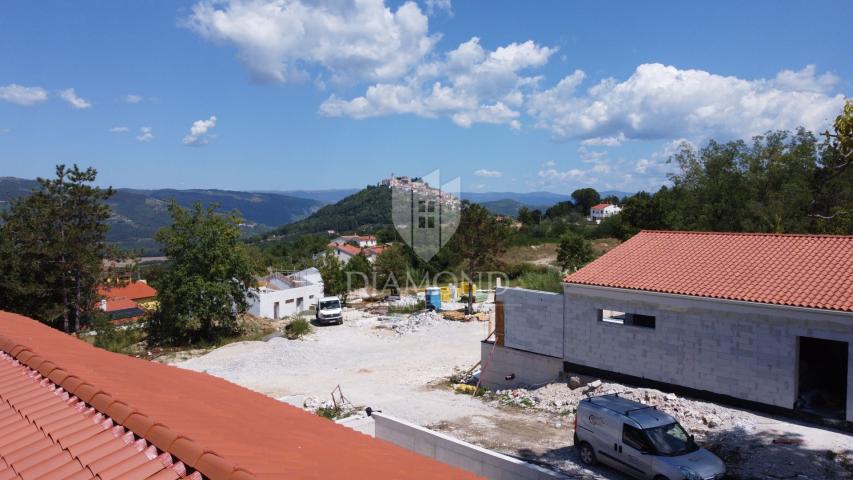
x=405, y=375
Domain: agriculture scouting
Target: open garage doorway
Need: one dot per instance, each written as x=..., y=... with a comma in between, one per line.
x=822, y=378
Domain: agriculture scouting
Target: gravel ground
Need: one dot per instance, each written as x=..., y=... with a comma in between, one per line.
x=401, y=366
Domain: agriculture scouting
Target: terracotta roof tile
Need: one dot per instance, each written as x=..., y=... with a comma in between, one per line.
x=814, y=271
x=113, y=417
x=133, y=291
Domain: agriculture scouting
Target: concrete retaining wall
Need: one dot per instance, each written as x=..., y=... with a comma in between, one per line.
x=743, y=350
x=452, y=451
x=533, y=320
x=527, y=368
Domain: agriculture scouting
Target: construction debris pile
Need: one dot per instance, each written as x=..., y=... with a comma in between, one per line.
x=563, y=397
x=409, y=323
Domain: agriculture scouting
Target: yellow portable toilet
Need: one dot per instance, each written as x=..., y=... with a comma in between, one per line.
x=445, y=295
x=463, y=288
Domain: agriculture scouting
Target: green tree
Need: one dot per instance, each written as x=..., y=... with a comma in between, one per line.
x=574, y=252
x=205, y=285
x=561, y=209
x=333, y=274
x=833, y=203
x=358, y=271
x=391, y=268
x=481, y=240
x=585, y=198
x=643, y=211
x=53, y=243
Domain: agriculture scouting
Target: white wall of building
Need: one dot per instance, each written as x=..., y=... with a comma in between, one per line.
x=290, y=301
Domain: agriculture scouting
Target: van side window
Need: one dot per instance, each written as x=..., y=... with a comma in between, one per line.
x=634, y=438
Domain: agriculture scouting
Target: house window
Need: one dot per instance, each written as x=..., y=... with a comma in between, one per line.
x=289, y=301
x=626, y=318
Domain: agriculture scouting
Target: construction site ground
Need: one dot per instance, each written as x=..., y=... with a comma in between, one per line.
x=405, y=372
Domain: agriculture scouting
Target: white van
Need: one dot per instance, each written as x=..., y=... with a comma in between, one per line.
x=329, y=310
x=641, y=441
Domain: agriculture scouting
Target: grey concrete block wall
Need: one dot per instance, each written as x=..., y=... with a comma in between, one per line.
x=453, y=451
x=527, y=369
x=533, y=320
x=743, y=350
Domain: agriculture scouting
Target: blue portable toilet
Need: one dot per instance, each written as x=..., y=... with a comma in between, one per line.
x=433, y=298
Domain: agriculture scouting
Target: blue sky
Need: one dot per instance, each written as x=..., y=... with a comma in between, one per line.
x=256, y=94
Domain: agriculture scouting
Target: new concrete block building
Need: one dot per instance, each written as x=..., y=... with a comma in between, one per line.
x=761, y=319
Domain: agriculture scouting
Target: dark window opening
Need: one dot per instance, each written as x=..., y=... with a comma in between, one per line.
x=625, y=318
x=822, y=378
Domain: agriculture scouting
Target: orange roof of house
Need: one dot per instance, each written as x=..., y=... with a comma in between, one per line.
x=814, y=271
x=222, y=430
x=601, y=205
x=348, y=249
x=133, y=291
x=120, y=304
x=48, y=433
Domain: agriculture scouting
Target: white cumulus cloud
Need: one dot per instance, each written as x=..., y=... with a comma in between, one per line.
x=119, y=130
x=468, y=85
x=131, y=98
x=434, y=6
x=350, y=39
x=22, y=95
x=662, y=102
x=70, y=96
x=488, y=173
x=146, y=134
x=198, y=135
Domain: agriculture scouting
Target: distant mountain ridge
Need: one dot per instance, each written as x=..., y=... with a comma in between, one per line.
x=331, y=195
x=138, y=214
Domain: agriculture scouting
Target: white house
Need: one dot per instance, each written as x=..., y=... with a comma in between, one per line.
x=363, y=241
x=602, y=211
x=279, y=296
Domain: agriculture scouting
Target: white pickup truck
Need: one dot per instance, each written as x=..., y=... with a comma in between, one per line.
x=329, y=310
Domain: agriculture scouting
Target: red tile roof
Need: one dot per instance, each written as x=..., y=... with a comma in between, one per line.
x=814, y=271
x=120, y=304
x=600, y=206
x=133, y=291
x=47, y=433
x=224, y=431
x=348, y=249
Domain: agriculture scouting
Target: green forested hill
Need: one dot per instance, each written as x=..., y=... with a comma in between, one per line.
x=138, y=214
x=365, y=210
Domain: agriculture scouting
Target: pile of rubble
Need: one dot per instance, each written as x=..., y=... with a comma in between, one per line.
x=562, y=398
x=409, y=323
x=406, y=301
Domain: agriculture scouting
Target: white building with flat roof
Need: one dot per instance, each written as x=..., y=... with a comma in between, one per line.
x=278, y=296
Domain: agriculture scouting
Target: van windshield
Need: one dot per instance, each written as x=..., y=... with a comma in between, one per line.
x=671, y=440
x=327, y=305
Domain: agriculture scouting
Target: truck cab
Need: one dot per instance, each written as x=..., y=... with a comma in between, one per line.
x=329, y=310
x=641, y=441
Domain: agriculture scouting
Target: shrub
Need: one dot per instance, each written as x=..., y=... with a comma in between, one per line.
x=297, y=328
x=549, y=280
x=332, y=413
x=119, y=339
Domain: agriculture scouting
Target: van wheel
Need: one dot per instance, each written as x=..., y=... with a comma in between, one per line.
x=587, y=454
